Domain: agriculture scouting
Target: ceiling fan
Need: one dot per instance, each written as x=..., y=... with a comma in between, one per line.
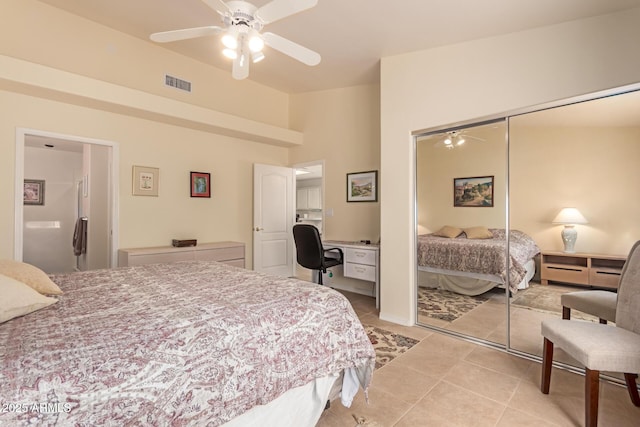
x=455, y=138
x=242, y=37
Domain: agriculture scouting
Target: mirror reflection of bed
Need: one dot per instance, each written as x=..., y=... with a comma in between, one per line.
x=583, y=155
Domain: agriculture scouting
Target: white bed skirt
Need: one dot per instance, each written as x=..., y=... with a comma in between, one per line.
x=467, y=283
x=300, y=406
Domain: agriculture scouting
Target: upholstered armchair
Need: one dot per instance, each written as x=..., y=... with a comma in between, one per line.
x=601, y=347
x=597, y=303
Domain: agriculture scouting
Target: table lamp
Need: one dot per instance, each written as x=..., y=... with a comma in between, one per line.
x=569, y=217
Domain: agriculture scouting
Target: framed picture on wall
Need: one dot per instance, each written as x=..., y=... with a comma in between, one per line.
x=33, y=193
x=362, y=186
x=145, y=181
x=475, y=191
x=200, y=184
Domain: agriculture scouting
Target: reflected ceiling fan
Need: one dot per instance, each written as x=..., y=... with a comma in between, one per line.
x=455, y=138
x=242, y=37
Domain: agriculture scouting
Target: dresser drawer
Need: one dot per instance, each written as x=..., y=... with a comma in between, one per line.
x=360, y=271
x=220, y=254
x=565, y=273
x=161, y=257
x=604, y=278
x=360, y=256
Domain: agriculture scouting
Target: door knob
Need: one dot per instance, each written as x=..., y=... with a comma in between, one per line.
x=259, y=228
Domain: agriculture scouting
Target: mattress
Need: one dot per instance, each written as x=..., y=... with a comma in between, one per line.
x=185, y=343
x=484, y=259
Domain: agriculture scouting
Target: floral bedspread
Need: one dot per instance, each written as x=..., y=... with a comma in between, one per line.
x=485, y=256
x=187, y=343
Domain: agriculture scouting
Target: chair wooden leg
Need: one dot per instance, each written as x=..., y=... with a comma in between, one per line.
x=591, y=392
x=319, y=277
x=632, y=387
x=547, y=362
x=566, y=312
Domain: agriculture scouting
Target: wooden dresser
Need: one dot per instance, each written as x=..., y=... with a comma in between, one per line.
x=231, y=253
x=602, y=271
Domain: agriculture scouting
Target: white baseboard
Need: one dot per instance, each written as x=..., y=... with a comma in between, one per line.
x=393, y=319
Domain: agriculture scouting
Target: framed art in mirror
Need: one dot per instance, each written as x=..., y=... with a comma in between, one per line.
x=476, y=191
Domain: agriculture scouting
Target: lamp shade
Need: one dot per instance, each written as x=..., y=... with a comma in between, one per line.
x=570, y=216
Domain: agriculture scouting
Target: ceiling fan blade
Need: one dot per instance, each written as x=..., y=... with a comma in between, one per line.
x=294, y=50
x=189, y=33
x=278, y=9
x=218, y=5
x=240, y=68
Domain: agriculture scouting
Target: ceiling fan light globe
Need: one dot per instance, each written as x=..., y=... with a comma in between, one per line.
x=256, y=44
x=230, y=41
x=447, y=141
x=460, y=141
x=230, y=53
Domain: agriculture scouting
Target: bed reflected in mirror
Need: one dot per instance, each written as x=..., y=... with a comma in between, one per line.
x=461, y=202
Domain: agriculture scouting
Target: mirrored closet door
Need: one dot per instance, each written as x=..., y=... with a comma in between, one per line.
x=583, y=155
x=461, y=200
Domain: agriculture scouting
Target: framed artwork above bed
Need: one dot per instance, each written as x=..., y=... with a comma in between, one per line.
x=475, y=191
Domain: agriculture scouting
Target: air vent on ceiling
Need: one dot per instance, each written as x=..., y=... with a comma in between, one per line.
x=177, y=83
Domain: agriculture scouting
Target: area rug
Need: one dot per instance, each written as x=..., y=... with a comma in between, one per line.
x=446, y=305
x=540, y=297
x=546, y=298
x=388, y=345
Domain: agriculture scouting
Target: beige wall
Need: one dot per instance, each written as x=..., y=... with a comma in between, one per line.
x=97, y=83
x=148, y=221
x=341, y=127
x=437, y=167
x=587, y=167
x=39, y=33
x=509, y=72
x=594, y=169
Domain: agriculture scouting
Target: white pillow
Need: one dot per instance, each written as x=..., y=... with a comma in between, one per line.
x=19, y=299
x=30, y=275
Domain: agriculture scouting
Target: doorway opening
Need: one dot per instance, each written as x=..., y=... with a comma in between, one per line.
x=77, y=181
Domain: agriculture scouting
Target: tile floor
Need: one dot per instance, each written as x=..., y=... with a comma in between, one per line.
x=445, y=381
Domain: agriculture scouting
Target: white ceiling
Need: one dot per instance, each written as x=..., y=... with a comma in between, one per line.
x=350, y=35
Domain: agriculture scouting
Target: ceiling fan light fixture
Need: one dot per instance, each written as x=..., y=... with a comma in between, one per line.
x=230, y=39
x=447, y=141
x=460, y=141
x=256, y=44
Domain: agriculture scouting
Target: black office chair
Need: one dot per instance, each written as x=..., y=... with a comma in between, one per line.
x=310, y=252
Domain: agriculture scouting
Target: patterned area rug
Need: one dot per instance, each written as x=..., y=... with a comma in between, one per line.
x=446, y=305
x=388, y=345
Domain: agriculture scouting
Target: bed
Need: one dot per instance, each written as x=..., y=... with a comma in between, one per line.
x=182, y=344
x=474, y=266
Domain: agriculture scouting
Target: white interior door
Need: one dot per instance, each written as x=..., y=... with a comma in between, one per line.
x=273, y=219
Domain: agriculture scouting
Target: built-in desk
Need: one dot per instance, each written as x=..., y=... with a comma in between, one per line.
x=362, y=263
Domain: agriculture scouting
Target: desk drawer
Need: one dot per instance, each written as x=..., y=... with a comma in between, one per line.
x=360, y=271
x=360, y=256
